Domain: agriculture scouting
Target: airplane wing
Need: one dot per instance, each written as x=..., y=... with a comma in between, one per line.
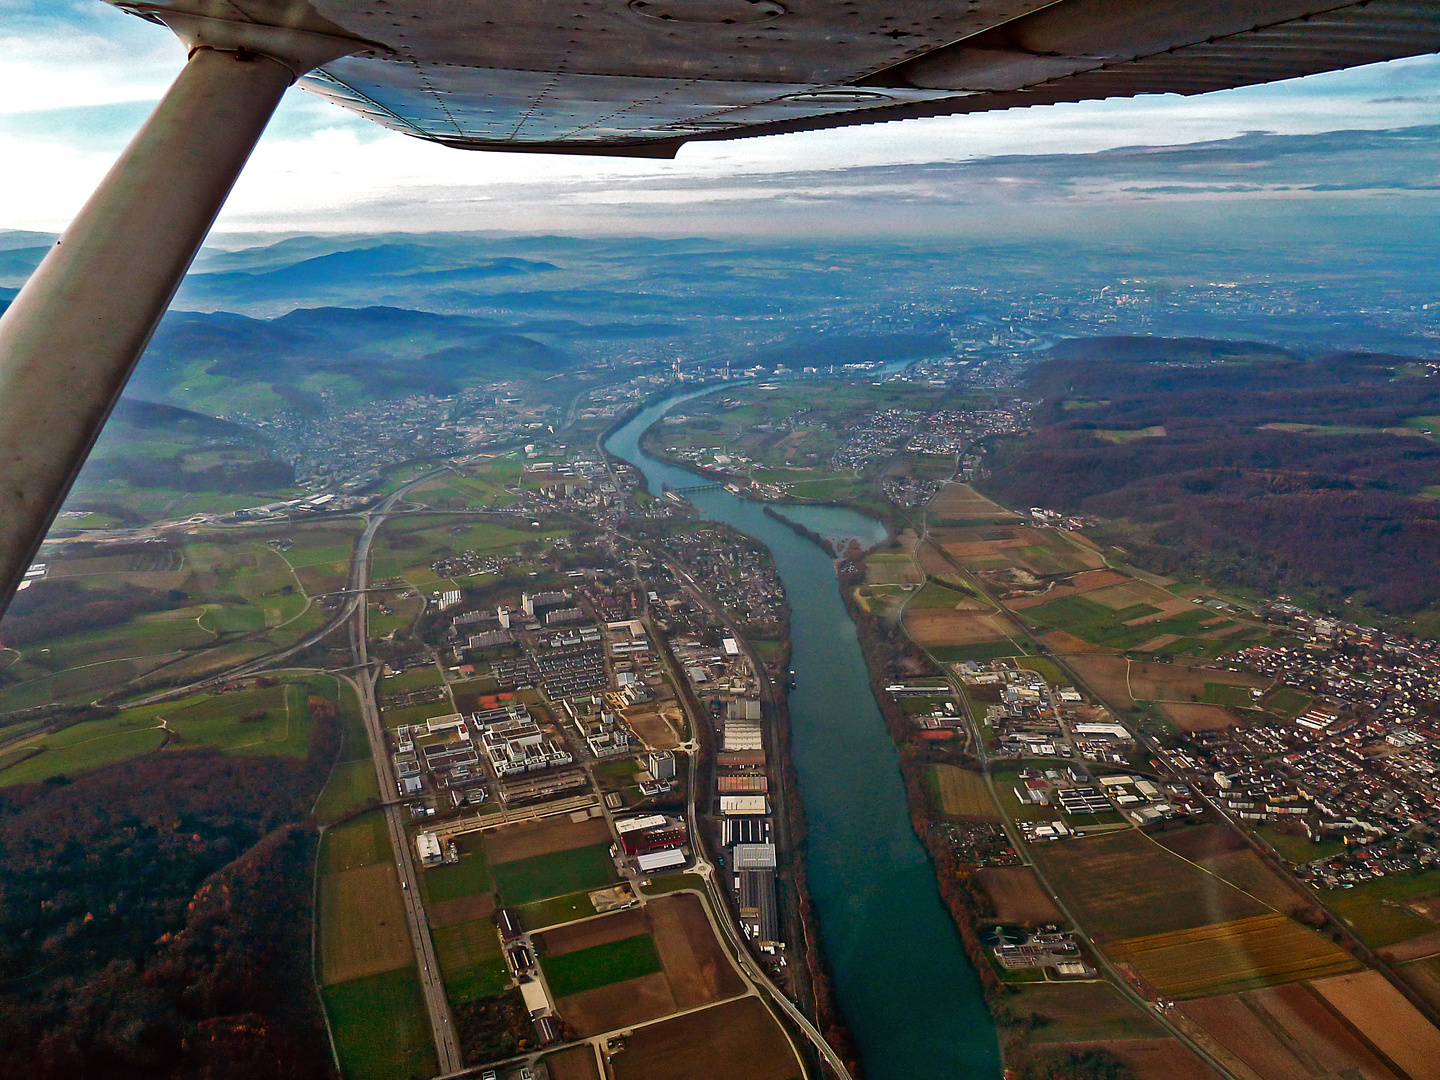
x=644, y=77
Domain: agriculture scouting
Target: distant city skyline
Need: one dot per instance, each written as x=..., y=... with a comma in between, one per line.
x=81, y=76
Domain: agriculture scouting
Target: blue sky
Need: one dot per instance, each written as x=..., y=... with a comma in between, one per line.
x=80, y=76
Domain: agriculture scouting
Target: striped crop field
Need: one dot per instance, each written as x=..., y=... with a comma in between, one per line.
x=962, y=793
x=1227, y=957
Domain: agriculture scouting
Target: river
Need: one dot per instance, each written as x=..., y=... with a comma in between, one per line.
x=904, y=985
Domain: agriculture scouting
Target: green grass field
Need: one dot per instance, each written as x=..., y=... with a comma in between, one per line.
x=201, y=720
x=416, y=678
x=937, y=596
x=560, y=909
x=617, y=768
x=1046, y=669
x=1235, y=696
x=415, y=714
x=83, y=747
x=1286, y=702
x=556, y=874
x=601, y=965
x=284, y=728
x=1299, y=849
x=1373, y=909
x=468, y=877
x=382, y=1031
x=672, y=882
x=471, y=961
x=351, y=786
x=360, y=842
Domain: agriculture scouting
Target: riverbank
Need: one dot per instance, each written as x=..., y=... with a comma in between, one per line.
x=879, y=509
x=815, y=991
x=886, y=647
x=800, y=530
x=900, y=973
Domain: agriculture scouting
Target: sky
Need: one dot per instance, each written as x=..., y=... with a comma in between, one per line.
x=80, y=76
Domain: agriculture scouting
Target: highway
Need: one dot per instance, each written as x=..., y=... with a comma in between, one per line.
x=437, y=1005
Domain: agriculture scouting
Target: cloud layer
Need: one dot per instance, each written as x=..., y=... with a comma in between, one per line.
x=80, y=77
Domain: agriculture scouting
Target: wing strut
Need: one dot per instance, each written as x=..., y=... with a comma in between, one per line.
x=71, y=338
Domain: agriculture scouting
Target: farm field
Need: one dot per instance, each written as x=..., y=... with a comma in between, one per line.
x=362, y=923
x=454, y=881
x=351, y=786
x=381, y=1028
x=1188, y=716
x=742, y=1042
x=1018, y=896
x=1123, y=886
x=1084, y=1012
x=885, y=568
x=531, y=838
x=559, y=873
x=1285, y=1033
x=1375, y=910
x=1384, y=1017
x=600, y=965
x=559, y=909
x=1126, y=683
x=1227, y=957
x=961, y=502
x=359, y=842
x=943, y=626
x=1244, y=869
x=690, y=969
x=1084, y=582
x=273, y=720
x=576, y=1063
x=1160, y=1059
x=962, y=793
x=941, y=597
x=470, y=960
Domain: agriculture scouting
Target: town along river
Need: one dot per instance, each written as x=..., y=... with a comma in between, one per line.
x=904, y=985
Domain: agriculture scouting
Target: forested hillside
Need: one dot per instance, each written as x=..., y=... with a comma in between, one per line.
x=1244, y=461
x=155, y=919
